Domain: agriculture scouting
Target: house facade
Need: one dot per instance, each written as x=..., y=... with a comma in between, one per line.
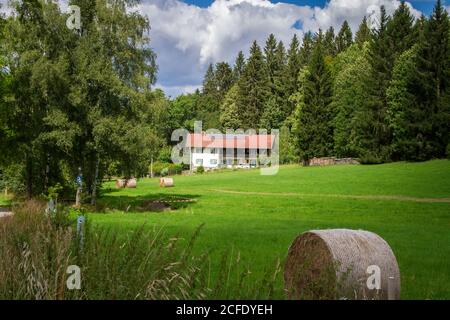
x=213, y=151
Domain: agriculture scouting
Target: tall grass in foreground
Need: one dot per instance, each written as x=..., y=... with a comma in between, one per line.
x=36, y=250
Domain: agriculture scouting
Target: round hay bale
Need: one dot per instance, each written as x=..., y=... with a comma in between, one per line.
x=132, y=183
x=166, y=182
x=121, y=183
x=341, y=264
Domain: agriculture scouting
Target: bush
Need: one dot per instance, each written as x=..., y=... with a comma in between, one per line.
x=201, y=170
x=164, y=169
x=371, y=158
x=164, y=172
x=11, y=177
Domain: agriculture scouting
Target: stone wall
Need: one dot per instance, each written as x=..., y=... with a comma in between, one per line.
x=318, y=162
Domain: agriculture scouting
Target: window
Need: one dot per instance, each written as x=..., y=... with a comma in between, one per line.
x=199, y=162
x=213, y=161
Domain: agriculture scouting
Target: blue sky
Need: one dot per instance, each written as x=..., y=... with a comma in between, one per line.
x=188, y=35
x=426, y=6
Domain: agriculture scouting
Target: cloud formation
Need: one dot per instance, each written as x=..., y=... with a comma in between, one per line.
x=187, y=38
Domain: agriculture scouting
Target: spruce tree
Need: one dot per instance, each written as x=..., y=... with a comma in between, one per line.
x=409, y=120
x=229, y=116
x=314, y=114
x=209, y=81
x=377, y=137
x=254, y=88
x=401, y=30
x=330, y=42
x=364, y=33
x=278, y=79
x=344, y=38
x=223, y=79
x=434, y=77
x=291, y=73
x=270, y=57
x=306, y=49
x=350, y=96
x=273, y=116
x=239, y=65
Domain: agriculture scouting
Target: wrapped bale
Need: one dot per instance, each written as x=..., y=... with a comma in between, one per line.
x=166, y=182
x=341, y=264
x=121, y=183
x=132, y=183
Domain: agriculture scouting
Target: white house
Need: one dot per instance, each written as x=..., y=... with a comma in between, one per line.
x=214, y=151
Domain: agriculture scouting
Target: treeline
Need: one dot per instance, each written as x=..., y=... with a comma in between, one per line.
x=76, y=101
x=379, y=95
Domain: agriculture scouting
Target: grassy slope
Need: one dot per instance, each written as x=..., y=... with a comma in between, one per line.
x=262, y=227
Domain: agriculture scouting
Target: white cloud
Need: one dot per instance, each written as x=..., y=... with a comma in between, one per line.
x=173, y=91
x=187, y=38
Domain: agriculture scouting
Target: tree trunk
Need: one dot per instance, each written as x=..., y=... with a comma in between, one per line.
x=94, y=189
x=78, y=197
x=29, y=174
x=47, y=172
x=151, y=168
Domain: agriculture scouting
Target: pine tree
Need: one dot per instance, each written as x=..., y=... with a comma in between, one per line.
x=229, y=116
x=273, y=116
x=254, y=88
x=223, y=79
x=209, y=81
x=350, y=96
x=275, y=56
x=344, y=38
x=278, y=79
x=401, y=30
x=291, y=73
x=419, y=95
x=409, y=120
x=239, y=66
x=364, y=33
x=270, y=57
x=314, y=114
x=377, y=137
x=306, y=49
x=330, y=42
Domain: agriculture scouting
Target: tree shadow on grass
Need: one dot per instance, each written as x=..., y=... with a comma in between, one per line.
x=153, y=202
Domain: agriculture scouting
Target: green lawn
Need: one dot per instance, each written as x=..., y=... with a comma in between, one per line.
x=259, y=216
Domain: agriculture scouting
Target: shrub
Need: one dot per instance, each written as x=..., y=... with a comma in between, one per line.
x=448, y=151
x=165, y=169
x=370, y=158
x=11, y=177
x=164, y=172
x=201, y=170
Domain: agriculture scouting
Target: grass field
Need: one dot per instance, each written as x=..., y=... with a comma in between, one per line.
x=259, y=216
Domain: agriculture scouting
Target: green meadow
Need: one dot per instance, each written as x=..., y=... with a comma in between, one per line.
x=255, y=217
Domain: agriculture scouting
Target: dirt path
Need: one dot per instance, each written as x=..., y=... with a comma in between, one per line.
x=340, y=196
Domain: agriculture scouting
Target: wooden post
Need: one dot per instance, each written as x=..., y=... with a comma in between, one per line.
x=151, y=168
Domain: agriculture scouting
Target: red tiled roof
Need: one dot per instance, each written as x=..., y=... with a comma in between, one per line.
x=236, y=141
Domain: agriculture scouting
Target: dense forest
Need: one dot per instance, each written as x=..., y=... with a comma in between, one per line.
x=82, y=101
